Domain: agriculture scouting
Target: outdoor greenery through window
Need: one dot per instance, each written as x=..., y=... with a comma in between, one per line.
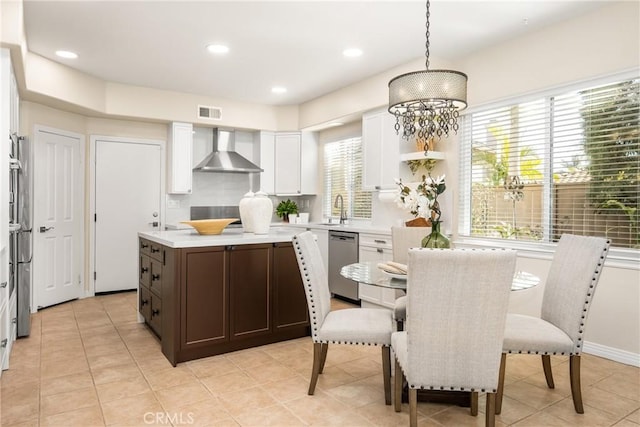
x=343, y=175
x=562, y=163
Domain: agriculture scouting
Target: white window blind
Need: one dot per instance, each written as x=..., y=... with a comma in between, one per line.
x=343, y=175
x=562, y=163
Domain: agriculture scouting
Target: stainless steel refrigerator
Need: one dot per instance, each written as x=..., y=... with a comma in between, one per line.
x=20, y=219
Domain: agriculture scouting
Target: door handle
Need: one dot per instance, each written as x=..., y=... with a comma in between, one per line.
x=44, y=229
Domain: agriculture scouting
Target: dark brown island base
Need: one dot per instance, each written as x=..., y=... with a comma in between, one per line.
x=208, y=295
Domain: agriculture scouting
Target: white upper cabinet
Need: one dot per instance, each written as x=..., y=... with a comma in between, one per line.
x=380, y=146
x=180, y=153
x=267, y=143
x=290, y=163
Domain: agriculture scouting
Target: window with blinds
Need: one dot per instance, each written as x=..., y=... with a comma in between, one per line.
x=343, y=175
x=562, y=163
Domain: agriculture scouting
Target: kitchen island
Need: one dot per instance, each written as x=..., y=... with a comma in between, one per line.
x=208, y=295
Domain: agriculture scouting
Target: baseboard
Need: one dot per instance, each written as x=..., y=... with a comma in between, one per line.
x=615, y=354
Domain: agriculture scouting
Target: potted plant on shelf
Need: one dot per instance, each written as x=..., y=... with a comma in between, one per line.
x=286, y=207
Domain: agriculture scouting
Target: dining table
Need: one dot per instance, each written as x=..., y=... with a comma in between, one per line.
x=369, y=273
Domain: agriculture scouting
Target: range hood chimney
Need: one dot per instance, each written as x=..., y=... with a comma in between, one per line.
x=223, y=158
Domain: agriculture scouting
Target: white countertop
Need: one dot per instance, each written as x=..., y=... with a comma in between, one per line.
x=230, y=236
x=355, y=227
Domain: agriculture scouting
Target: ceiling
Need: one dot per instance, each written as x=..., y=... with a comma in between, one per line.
x=295, y=44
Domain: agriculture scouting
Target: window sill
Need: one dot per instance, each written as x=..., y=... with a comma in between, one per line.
x=618, y=257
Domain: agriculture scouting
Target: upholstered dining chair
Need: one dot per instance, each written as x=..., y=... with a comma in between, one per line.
x=571, y=283
x=402, y=239
x=365, y=326
x=456, y=310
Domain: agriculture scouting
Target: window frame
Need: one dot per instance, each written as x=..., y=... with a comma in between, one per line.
x=618, y=256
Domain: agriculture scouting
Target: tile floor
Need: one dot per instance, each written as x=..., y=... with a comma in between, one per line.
x=89, y=363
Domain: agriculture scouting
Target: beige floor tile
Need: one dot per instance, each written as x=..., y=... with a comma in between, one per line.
x=174, y=397
x=152, y=361
x=112, y=359
x=612, y=403
x=322, y=409
x=621, y=385
x=458, y=416
x=237, y=402
x=249, y=358
x=288, y=389
x=73, y=343
x=331, y=376
x=101, y=339
x=339, y=354
x=541, y=419
x=228, y=383
x=68, y=383
x=596, y=417
x=358, y=394
x=116, y=373
x=31, y=423
x=115, y=390
x=276, y=415
x=19, y=404
x=363, y=368
x=385, y=415
x=626, y=423
x=56, y=369
x=18, y=377
x=512, y=410
x=105, y=349
x=131, y=410
x=270, y=371
x=534, y=396
x=203, y=413
x=634, y=416
x=212, y=367
x=64, y=402
x=169, y=377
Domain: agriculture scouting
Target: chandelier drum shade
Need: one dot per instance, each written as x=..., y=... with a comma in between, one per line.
x=427, y=103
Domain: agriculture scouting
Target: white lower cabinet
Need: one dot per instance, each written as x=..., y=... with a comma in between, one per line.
x=376, y=248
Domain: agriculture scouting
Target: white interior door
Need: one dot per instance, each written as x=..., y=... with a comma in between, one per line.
x=128, y=195
x=58, y=221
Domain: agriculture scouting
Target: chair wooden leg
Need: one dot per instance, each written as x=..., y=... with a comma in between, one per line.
x=546, y=366
x=323, y=359
x=474, y=403
x=397, y=392
x=413, y=407
x=490, y=410
x=386, y=371
x=574, y=373
x=498, y=397
x=317, y=359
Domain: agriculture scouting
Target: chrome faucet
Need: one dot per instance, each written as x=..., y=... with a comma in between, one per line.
x=343, y=214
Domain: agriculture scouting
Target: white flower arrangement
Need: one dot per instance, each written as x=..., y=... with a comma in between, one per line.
x=422, y=201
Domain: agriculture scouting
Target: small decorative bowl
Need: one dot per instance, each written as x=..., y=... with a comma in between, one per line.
x=210, y=226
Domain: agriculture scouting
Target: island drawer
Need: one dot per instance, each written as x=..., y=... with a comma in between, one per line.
x=144, y=303
x=145, y=246
x=157, y=252
x=155, y=284
x=145, y=271
x=155, y=320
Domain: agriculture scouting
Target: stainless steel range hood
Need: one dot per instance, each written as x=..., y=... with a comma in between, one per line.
x=223, y=158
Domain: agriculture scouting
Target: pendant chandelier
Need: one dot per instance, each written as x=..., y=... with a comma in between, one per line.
x=427, y=103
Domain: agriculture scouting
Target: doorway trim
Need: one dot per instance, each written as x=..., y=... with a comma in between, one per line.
x=93, y=139
x=37, y=129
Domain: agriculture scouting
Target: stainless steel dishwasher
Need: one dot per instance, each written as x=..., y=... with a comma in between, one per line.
x=343, y=250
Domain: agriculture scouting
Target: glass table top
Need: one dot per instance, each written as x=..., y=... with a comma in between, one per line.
x=370, y=274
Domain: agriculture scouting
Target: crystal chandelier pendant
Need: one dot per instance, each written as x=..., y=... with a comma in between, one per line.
x=427, y=103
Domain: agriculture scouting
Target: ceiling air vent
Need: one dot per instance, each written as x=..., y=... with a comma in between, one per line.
x=211, y=113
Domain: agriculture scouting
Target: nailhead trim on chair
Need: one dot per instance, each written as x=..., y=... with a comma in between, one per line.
x=450, y=388
x=313, y=307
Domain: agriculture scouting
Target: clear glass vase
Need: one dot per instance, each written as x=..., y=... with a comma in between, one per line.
x=436, y=239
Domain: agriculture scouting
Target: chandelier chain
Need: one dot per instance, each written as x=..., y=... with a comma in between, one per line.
x=426, y=44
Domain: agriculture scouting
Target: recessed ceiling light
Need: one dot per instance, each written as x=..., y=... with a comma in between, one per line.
x=352, y=52
x=218, y=48
x=278, y=89
x=66, y=54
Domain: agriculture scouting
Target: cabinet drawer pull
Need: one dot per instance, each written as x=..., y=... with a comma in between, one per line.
x=155, y=312
x=14, y=320
x=144, y=245
x=380, y=250
x=4, y=343
x=144, y=269
x=155, y=250
x=3, y=285
x=155, y=277
x=144, y=302
x=384, y=242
